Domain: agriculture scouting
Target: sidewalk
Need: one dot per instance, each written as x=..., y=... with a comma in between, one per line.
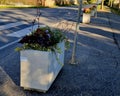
x=112, y=21
x=98, y=70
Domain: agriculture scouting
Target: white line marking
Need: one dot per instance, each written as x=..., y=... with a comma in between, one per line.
x=20, y=33
x=23, y=32
x=7, y=26
x=9, y=44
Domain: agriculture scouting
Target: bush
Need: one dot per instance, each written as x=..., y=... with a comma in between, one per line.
x=43, y=39
x=91, y=1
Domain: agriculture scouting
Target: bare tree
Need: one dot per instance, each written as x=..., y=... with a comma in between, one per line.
x=119, y=5
x=102, y=4
x=110, y=3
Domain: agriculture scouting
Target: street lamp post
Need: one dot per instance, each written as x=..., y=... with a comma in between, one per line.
x=73, y=60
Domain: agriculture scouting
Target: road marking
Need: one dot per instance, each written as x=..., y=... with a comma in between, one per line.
x=19, y=34
x=23, y=32
x=7, y=26
x=9, y=44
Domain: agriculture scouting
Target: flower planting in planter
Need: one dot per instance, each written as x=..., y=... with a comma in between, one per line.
x=86, y=15
x=41, y=58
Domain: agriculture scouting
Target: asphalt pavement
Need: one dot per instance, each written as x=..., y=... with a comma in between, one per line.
x=97, y=53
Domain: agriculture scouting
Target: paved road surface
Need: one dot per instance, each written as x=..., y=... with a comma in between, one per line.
x=98, y=54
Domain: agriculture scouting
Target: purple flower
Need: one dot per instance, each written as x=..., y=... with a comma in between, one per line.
x=47, y=31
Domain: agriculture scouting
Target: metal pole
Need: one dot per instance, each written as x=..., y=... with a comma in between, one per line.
x=38, y=12
x=73, y=60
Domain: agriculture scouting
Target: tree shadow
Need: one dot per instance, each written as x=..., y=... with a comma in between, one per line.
x=107, y=19
x=91, y=52
x=97, y=31
x=97, y=55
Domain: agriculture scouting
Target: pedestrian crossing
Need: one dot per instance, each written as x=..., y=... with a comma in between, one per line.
x=7, y=26
x=23, y=32
x=11, y=32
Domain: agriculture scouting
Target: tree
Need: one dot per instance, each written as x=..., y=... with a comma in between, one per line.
x=3, y=1
x=119, y=5
x=110, y=3
x=102, y=4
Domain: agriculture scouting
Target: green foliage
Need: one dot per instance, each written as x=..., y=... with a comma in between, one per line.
x=85, y=3
x=91, y=1
x=115, y=11
x=64, y=2
x=99, y=7
x=57, y=35
x=106, y=2
x=43, y=39
x=67, y=44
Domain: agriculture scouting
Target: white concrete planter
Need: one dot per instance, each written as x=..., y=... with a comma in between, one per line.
x=86, y=18
x=40, y=68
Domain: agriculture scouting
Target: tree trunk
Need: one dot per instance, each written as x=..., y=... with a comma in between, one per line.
x=109, y=3
x=119, y=5
x=102, y=5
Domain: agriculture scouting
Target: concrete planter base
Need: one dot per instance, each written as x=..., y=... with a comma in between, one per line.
x=40, y=68
x=86, y=18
